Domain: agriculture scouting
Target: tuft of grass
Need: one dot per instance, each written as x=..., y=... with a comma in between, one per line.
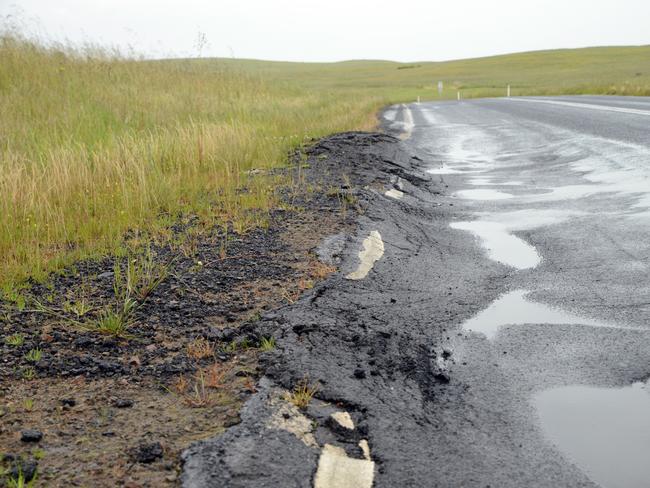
x=267, y=344
x=141, y=276
x=205, y=387
x=28, y=404
x=116, y=323
x=15, y=340
x=34, y=355
x=302, y=394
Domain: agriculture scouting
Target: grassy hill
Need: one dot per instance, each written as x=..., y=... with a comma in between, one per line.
x=597, y=70
x=93, y=145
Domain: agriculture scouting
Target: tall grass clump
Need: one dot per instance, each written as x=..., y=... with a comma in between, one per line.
x=93, y=144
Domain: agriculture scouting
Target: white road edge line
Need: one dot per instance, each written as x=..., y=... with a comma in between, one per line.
x=590, y=106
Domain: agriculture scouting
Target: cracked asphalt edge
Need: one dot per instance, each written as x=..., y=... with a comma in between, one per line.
x=276, y=444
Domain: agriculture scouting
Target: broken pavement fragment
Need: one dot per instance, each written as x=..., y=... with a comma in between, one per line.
x=337, y=470
x=373, y=250
x=343, y=419
x=396, y=194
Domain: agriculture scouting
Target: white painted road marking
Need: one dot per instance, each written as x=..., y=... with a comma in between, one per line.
x=590, y=106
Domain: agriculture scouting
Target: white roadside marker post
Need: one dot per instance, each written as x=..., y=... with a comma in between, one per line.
x=458, y=95
x=418, y=98
x=508, y=91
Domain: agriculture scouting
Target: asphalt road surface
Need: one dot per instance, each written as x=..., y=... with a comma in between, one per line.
x=558, y=191
x=489, y=326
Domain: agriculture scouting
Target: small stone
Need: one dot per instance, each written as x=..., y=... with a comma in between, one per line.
x=123, y=403
x=151, y=348
x=447, y=353
x=147, y=453
x=108, y=433
x=31, y=435
x=443, y=377
x=359, y=373
x=68, y=402
x=106, y=275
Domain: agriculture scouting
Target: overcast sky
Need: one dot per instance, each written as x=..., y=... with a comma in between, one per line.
x=332, y=30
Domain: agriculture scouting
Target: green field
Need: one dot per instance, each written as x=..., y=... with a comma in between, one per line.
x=94, y=145
x=599, y=70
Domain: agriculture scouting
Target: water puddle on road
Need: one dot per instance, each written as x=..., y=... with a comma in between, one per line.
x=514, y=309
x=604, y=431
x=489, y=182
x=501, y=245
x=483, y=194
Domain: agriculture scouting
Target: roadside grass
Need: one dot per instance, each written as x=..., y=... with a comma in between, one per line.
x=94, y=145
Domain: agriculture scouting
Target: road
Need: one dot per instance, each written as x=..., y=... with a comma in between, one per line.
x=489, y=326
x=558, y=191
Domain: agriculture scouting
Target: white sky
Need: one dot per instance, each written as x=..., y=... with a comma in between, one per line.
x=316, y=30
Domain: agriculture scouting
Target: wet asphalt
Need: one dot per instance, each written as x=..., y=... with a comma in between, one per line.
x=442, y=401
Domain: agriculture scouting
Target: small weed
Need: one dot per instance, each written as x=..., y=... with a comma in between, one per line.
x=34, y=355
x=302, y=394
x=198, y=391
x=267, y=344
x=140, y=277
x=200, y=349
x=38, y=454
x=15, y=340
x=181, y=385
x=199, y=396
x=28, y=404
x=230, y=347
x=216, y=375
x=16, y=297
x=79, y=308
x=29, y=373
